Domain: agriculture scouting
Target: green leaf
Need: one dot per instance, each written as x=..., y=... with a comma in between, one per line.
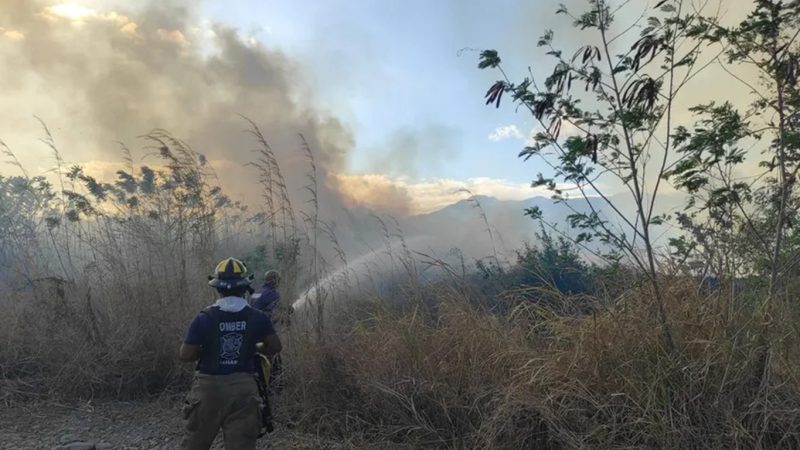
x=534, y=213
x=489, y=58
x=546, y=39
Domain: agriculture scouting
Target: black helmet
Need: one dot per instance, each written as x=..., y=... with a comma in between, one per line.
x=230, y=274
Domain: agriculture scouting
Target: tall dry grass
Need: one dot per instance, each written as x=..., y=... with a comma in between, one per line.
x=100, y=281
x=538, y=379
x=101, y=278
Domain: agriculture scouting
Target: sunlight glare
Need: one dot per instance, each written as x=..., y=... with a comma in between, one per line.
x=72, y=11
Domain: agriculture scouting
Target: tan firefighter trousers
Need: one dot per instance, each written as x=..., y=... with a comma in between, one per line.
x=230, y=402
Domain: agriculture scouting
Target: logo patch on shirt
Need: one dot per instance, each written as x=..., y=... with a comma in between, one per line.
x=231, y=346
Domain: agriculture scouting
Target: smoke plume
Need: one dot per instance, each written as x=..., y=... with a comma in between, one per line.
x=98, y=77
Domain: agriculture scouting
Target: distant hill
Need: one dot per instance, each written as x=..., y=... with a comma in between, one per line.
x=461, y=226
x=461, y=222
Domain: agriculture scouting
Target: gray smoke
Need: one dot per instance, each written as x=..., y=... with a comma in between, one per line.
x=406, y=149
x=109, y=76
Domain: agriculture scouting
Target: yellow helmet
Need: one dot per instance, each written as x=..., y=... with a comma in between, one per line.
x=230, y=273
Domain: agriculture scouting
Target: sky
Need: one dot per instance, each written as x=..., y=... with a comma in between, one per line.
x=393, y=71
x=403, y=75
x=388, y=92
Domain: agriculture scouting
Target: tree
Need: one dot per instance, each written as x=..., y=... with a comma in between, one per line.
x=622, y=106
x=767, y=40
x=718, y=198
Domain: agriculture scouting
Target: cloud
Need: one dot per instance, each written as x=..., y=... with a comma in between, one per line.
x=505, y=132
x=69, y=11
x=402, y=196
x=567, y=130
x=173, y=36
x=14, y=35
x=129, y=28
x=78, y=15
x=512, y=132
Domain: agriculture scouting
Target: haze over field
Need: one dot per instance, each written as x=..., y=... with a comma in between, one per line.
x=395, y=117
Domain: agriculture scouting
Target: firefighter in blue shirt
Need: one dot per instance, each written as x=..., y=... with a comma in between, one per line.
x=268, y=301
x=224, y=339
x=268, y=298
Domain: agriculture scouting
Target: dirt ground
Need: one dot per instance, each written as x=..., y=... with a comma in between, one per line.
x=117, y=425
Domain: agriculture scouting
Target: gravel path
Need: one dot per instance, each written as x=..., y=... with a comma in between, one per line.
x=118, y=425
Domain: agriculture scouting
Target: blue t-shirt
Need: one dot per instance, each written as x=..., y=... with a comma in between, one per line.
x=201, y=332
x=267, y=300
